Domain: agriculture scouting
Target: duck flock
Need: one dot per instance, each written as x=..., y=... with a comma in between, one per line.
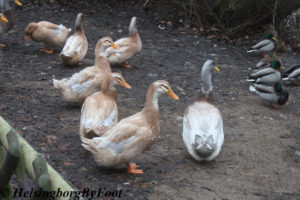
x=114, y=143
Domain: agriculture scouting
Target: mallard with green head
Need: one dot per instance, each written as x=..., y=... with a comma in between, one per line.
x=274, y=95
x=265, y=46
x=269, y=75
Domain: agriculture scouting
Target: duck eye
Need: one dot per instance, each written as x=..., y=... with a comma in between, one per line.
x=165, y=87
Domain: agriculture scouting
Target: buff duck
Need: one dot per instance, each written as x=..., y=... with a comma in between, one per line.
x=100, y=111
x=76, y=46
x=274, y=94
x=265, y=46
x=291, y=75
x=202, y=132
x=131, y=136
x=7, y=21
x=84, y=83
x=52, y=35
x=129, y=47
x=269, y=75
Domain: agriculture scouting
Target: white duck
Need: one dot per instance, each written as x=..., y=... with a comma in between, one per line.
x=202, y=122
x=76, y=46
x=100, y=111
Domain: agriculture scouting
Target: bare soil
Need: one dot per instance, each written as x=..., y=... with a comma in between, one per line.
x=260, y=158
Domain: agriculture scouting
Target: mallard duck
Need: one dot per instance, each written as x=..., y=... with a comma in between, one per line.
x=84, y=83
x=129, y=47
x=202, y=122
x=265, y=46
x=52, y=35
x=7, y=21
x=267, y=61
x=269, y=75
x=100, y=111
x=291, y=75
x=76, y=46
x=272, y=94
x=131, y=136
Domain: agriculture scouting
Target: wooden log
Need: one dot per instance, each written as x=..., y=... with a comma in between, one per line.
x=5, y=190
x=11, y=159
x=58, y=183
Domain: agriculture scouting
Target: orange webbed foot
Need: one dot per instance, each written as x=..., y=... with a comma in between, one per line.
x=274, y=106
x=127, y=66
x=49, y=51
x=131, y=169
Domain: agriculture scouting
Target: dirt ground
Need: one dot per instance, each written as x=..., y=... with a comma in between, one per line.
x=260, y=158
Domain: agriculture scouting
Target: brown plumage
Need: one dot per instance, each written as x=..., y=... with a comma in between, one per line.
x=100, y=111
x=50, y=34
x=84, y=83
x=76, y=46
x=129, y=47
x=131, y=136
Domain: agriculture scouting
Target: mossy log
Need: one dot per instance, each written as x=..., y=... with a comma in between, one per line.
x=29, y=154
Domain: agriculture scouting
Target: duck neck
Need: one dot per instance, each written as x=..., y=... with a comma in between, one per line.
x=108, y=88
x=78, y=24
x=132, y=27
x=206, y=77
x=9, y=14
x=151, y=110
x=151, y=99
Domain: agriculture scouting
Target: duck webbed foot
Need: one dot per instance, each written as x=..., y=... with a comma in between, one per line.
x=126, y=65
x=131, y=169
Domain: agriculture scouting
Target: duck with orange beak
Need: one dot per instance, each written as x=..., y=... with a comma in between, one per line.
x=7, y=18
x=121, y=144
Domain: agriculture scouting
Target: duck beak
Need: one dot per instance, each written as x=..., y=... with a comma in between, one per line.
x=274, y=38
x=282, y=67
x=18, y=3
x=217, y=69
x=172, y=94
x=115, y=46
x=3, y=18
x=125, y=84
x=27, y=37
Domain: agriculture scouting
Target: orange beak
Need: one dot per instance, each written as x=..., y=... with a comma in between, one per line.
x=18, y=3
x=172, y=94
x=125, y=84
x=3, y=18
x=27, y=37
x=115, y=46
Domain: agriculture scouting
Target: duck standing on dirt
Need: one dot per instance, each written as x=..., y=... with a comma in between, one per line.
x=76, y=46
x=100, y=111
x=265, y=46
x=129, y=47
x=131, y=136
x=274, y=95
x=268, y=76
x=52, y=35
x=291, y=75
x=202, y=122
x=8, y=20
x=84, y=83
